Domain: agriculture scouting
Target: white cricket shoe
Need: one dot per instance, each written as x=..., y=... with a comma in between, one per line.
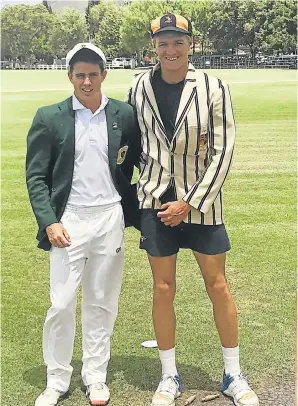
x=50, y=397
x=169, y=389
x=98, y=394
x=237, y=388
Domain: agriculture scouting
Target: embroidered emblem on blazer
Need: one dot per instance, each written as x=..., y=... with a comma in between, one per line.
x=122, y=154
x=203, y=141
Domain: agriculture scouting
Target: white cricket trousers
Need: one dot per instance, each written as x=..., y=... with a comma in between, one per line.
x=95, y=260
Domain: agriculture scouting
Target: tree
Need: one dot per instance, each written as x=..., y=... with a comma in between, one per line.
x=47, y=6
x=91, y=3
x=202, y=17
x=253, y=21
x=270, y=25
x=278, y=33
x=105, y=21
x=69, y=28
x=135, y=31
x=227, y=26
x=26, y=30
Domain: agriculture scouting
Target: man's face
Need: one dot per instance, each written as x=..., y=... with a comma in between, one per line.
x=87, y=79
x=172, y=50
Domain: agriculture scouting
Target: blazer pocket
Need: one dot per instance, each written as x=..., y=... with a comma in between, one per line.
x=197, y=141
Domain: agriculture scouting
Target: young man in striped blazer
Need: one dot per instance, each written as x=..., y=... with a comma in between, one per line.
x=188, y=133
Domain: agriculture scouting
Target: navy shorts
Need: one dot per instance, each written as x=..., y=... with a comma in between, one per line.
x=160, y=240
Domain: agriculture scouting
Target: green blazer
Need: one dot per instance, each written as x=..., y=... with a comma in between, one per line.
x=50, y=161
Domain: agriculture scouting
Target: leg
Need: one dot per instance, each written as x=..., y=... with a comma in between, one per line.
x=101, y=289
x=224, y=309
x=225, y=315
x=59, y=327
x=161, y=244
x=164, y=320
x=164, y=285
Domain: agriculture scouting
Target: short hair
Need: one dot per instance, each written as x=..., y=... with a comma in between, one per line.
x=87, y=56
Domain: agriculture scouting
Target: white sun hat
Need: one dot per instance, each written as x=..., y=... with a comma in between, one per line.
x=84, y=45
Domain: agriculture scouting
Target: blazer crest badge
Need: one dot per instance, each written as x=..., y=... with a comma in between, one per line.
x=122, y=154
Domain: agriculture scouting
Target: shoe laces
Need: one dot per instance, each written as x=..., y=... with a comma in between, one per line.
x=51, y=394
x=239, y=384
x=168, y=384
x=98, y=386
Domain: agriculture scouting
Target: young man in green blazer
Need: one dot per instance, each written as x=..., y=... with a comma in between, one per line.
x=80, y=159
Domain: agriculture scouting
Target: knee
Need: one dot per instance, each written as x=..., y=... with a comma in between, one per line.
x=164, y=290
x=60, y=310
x=218, y=289
x=63, y=305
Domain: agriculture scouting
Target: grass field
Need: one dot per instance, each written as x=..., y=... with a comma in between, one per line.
x=260, y=196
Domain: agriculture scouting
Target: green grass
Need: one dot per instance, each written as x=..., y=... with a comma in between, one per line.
x=260, y=217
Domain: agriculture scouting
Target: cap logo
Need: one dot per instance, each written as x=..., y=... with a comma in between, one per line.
x=83, y=46
x=171, y=22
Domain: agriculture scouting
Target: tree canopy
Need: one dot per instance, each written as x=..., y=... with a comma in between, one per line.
x=105, y=21
x=219, y=26
x=69, y=28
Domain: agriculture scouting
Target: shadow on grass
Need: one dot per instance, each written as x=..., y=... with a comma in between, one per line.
x=144, y=373
x=140, y=372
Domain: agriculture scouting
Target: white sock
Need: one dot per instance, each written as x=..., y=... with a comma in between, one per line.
x=168, y=361
x=231, y=360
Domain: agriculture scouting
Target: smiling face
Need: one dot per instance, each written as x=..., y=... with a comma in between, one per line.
x=172, y=50
x=87, y=79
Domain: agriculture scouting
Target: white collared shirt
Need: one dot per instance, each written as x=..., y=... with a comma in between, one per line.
x=92, y=183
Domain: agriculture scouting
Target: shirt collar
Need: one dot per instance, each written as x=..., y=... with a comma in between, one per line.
x=77, y=105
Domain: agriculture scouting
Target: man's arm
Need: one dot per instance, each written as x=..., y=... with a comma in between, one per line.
x=222, y=128
x=38, y=176
x=203, y=193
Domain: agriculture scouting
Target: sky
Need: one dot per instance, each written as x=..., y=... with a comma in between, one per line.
x=31, y=2
x=13, y=2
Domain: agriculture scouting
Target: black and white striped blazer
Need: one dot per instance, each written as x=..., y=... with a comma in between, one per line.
x=198, y=158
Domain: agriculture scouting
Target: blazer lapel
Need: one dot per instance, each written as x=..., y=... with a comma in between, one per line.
x=149, y=96
x=187, y=97
x=68, y=124
x=114, y=136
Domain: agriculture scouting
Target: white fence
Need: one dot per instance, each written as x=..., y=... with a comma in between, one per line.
x=59, y=67
x=45, y=66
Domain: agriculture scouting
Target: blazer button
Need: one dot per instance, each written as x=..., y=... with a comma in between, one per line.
x=53, y=189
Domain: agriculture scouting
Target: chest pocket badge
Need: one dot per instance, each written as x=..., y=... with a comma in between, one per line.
x=122, y=154
x=203, y=141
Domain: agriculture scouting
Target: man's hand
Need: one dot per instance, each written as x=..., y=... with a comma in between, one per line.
x=174, y=212
x=58, y=236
